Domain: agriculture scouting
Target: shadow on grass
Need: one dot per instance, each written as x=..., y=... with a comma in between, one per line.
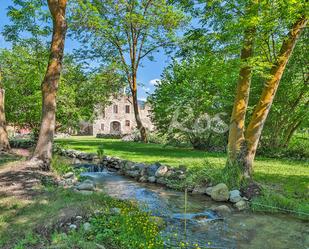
x=6, y=158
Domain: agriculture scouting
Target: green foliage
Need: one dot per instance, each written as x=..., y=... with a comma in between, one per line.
x=29, y=240
x=288, y=178
x=24, y=67
x=109, y=136
x=156, y=138
x=123, y=33
x=23, y=70
x=5, y=158
x=131, y=229
x=100, y=151
x=297, y=149
x=30, y=22
x=289, y=112
x=23, y=143
x=61, y=166
x=22, y=75
x=194, y=99
x=279, y=203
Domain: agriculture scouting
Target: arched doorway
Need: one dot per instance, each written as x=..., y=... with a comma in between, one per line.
x=115, y=127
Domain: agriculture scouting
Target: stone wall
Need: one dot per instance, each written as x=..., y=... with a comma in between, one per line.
x=153, y=173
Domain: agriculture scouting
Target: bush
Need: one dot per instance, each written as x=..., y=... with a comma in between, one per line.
x=24, y=143
x=109, y=136
x=156, y=138
x=100, y=151
x=298, y=149
x=61, y=166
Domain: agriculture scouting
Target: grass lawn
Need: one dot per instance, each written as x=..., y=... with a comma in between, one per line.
x=286, y=182
x=35, y=213
x=5, y=158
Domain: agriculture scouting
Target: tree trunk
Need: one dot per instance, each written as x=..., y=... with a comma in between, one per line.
x=237, y=123
x=43, y=150
x=236, y=137
x=138, y=120
x=255, y=127
x=4, y=140
x=290, y=133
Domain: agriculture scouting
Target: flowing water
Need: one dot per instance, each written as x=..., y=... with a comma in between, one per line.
x=202, y=226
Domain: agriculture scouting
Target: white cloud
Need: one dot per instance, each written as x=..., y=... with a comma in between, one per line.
x=154, y=82
x=146, y=89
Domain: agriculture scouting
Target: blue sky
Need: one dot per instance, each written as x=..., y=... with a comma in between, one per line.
x=148, y=72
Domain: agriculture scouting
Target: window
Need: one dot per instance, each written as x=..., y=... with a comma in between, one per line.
x=102, y=127
x=115, y=108
x=127, y=122
x=127, y=109
x=103, y=113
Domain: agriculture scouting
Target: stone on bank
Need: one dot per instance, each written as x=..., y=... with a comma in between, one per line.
x=220, y=192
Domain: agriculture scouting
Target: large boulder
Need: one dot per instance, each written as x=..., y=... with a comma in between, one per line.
x=220, y=192
x=208, y=191
x=235, y=196
x=152, y=169
x=122, y=164
x=139, y=166
x=133, y=173
x=86, y=185
x=161, y=171
x=222, y=209
x=241, y=205
x=152, y=179
x=129, y=165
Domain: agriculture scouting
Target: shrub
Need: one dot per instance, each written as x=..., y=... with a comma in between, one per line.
x=100, y=151
x=297, y=149
x=22, y=143
x=109, y=136
x=156, y=138
x=61, y=166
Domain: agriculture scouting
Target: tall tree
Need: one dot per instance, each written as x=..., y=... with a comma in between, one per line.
x=4, y=140
x=256, y=124
x=43, y=150
x=126, y=32
x=290, y=107
x=238, y=117
x=279, y=23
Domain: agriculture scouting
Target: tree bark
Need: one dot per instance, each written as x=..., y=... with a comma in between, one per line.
x=138, y=120
x=4, y=140
x=43, y=150
x=237, y=123
x=290, y=133
x=255, y=127
x=236, y=139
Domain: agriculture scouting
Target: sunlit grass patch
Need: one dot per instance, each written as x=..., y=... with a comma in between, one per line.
x=287, y=180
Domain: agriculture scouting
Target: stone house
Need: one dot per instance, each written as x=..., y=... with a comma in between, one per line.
x=118, y=117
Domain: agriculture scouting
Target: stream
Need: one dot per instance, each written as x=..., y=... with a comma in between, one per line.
x=201, y=225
